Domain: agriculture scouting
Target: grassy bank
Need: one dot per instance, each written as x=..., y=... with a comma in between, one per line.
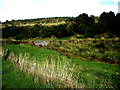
x=85, y=74
x=13, y=77
x=50, y=70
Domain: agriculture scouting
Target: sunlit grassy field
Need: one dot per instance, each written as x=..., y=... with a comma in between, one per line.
x=55, y=70
x=32, y=24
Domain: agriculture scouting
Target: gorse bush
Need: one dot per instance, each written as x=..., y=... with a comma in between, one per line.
x=58, y=72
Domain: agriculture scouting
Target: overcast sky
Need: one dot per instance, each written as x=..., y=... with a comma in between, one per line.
x=27, y=9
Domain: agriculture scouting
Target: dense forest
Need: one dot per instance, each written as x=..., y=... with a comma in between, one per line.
x=84, y=25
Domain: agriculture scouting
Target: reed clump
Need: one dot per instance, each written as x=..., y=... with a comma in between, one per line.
x=58, y=72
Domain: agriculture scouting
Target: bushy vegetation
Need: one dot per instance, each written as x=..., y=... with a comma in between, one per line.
x=100, y=49
x=72, y=72
x=83, y=24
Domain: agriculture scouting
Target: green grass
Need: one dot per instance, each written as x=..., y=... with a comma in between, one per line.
x=39, y=54
x=50, y=70
x=91, y=74
x=13, y=77
x=107, y=50
x=100, y=72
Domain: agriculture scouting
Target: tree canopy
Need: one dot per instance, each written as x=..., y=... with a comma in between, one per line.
x=86, y=25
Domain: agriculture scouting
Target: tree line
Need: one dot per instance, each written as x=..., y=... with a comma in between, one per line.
x=85, y=25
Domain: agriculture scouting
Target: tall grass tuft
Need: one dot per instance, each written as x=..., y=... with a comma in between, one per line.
x=58, y=72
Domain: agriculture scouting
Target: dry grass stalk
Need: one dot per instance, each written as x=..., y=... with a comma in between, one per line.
x=59, y=72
